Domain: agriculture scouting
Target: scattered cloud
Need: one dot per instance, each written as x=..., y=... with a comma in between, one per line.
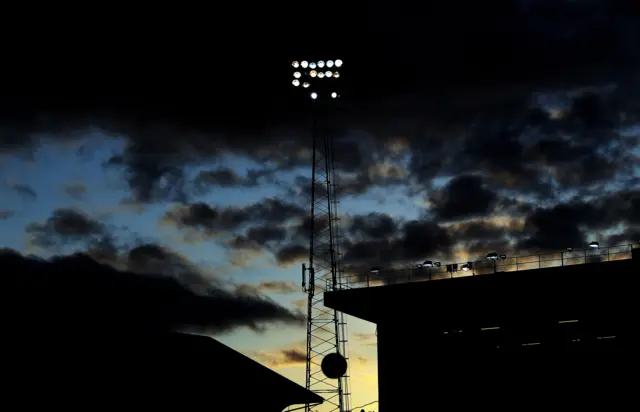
x=295, y=356
x=274, y=286
x=76, y=191
x=101, y=296
x=25, y=191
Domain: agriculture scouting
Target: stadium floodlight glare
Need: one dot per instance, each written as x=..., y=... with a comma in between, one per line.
x=492, y=256
x=594, y=245
x=428, y=263
x=375, y=270
x=437, y=264
x=503, y=256
x=306, y=77
x=569, y=249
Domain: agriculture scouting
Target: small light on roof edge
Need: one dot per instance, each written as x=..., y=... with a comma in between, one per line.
x=314, y=95
x=334, y=95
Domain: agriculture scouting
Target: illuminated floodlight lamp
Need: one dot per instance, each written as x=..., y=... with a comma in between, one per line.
x=569, y=249
x=503, y=256
x=594, y=245
x=467, y=266
x=418, y=265
x=304, y=64
x=312, y=65
x=320, y=64
x=338, y=63
x=314, y=95
x=436, y=264
x=492, y=256
x=334, y=95
x=428, y=263
x=336, y=74
x=330, y=63
x=328, y=73
x=313, y=73
x=297, y=75
x=296, y=82
x=321, y=74
x=295, y=64
x=375, y=269
x=306, y=84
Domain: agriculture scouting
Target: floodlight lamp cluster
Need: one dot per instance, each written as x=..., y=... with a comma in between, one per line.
x=495, y=256
x=305, y=71
x=428, y=264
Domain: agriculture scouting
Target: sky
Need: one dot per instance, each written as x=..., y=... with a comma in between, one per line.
x=462, y=129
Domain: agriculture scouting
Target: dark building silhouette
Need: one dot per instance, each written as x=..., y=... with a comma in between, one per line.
x=78, y=335
x=167, y=370
x=560, y=337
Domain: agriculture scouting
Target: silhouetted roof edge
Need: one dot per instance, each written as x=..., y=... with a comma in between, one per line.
x=297, y=394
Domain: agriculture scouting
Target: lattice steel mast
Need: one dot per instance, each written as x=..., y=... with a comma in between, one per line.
x=326, y=328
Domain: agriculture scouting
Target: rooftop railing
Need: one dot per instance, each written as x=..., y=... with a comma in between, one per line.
x=422, y=273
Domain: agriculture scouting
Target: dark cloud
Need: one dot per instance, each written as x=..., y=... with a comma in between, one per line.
x=226, y=177
x=291, y=254
x=282, y=358
x=78, y=294
x=463, y=197
x=259, y=237
x=477, y=83
x=64, y=227
x=273, y=286
x=519, y=105
x=76, y=191
x=211, y=219
x=374, y=225
x=415, y=241
x=25, y=191
x=569, y=224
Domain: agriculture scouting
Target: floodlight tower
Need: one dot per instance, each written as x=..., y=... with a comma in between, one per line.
x=327, y=350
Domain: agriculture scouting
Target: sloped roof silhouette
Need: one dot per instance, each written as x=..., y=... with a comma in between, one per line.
x=149, y=369
x=78, y=332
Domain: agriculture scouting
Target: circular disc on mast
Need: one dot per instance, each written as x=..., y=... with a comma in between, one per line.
x=334, y=366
